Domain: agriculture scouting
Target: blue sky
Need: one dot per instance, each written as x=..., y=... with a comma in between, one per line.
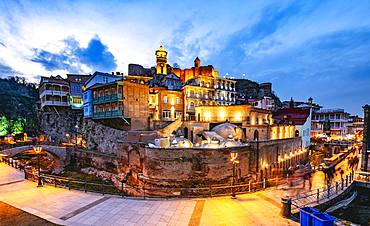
x=306, y=48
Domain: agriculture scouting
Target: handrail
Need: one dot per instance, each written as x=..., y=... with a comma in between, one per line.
x=182, y=192
x=324, y=193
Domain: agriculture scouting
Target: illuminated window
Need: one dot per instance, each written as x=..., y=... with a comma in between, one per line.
x=178, y=114
x=177, y=100
x=165, y=99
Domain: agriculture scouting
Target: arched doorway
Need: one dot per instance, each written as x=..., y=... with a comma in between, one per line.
x=186, y=132
x=255, y=136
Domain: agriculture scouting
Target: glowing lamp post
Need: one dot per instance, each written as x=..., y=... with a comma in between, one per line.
x=234, y=160
x=38, y=150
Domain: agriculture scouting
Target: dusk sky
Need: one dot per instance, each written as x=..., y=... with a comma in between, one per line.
x=305, y=48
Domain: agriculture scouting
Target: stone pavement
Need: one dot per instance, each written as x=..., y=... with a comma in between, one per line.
x=66, y=207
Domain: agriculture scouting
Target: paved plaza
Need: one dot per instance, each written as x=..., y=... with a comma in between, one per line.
x=67, y=207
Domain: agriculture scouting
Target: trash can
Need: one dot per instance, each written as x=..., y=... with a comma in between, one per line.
x=322, y=219
x=305, y=215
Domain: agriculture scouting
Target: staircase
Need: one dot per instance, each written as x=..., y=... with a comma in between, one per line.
x=170, y=128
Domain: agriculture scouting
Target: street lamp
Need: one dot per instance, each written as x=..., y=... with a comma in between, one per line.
x=38, y=150
x=234, y=160
x=76, y=127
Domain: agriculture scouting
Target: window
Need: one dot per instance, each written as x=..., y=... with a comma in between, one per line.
x=165, y=114
x=86, y=110
x=177, y=100
x=105, y=79
x=165, y=99
x=178, y=114
x=85, y=96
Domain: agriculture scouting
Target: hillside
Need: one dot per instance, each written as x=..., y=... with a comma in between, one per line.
x=18, y=104
x=252, y=90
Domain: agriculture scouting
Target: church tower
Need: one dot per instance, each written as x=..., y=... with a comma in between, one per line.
x=161, y=56
x=197, y=62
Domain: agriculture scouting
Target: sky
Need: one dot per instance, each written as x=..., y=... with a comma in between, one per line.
x=318, y=49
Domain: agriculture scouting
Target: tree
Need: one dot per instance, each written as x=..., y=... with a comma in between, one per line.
x=4, y=125
x=18, y=126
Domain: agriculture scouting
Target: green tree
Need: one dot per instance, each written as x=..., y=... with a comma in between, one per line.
x=18, y=126
x=4, y=125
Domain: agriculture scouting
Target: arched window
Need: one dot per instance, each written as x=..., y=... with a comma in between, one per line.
x=296, y=133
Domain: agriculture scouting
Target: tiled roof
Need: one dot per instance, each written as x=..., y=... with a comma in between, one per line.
x=291, y=116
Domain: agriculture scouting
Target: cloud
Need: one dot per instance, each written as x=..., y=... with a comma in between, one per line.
x=97, y=56
x=6, y=71
x=75, y=58
x=306, y=48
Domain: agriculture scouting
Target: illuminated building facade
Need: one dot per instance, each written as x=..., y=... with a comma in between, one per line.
x=96, y=78
x=266, y=103
x=201, y=84
x=248, y=118
x=165, y=104
x=298, y=117
x=335, y=119
x=76, y=83
x=53, y=92
x=366, y=139
x=123, y=100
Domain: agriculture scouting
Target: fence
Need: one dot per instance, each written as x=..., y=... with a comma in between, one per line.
x=322, y=194
x=146, y=191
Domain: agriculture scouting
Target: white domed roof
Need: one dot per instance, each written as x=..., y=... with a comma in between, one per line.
x=231, y=143
x=181, y=142
x=226, y=130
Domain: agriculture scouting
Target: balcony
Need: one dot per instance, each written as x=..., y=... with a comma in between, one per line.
x=54, y=103
x=107, y=99
x=53, y=93
x=108, y=114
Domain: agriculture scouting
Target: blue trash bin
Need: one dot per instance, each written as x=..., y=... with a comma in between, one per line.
x=322, y=219
x=305, y=218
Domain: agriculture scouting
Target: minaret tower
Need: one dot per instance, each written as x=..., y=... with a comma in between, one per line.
x=161, y=55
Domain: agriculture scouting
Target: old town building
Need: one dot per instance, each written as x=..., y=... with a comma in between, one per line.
x=117, y=102
x=96, y=78
x=53, y=92
x=76, y=84
x=300, y=118
x=331, y=122
x=165, y=104
x=366, y=139
x=255, y=123
x=202, y=85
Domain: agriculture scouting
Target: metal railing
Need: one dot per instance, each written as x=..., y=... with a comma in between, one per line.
x=322, y=194
x=145, y=191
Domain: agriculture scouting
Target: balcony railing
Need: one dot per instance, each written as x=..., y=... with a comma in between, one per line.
x=54, y=103
x=53, y=93
x=108, y=114
x=107, y=98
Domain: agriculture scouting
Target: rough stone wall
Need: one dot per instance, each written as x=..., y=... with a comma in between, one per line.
x=204, y=165
x=101, y=138
x=180, y=167
x=57, y=123
x=270, y=151
x=96, y=137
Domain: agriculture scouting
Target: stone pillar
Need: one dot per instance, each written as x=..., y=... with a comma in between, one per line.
x=366, y=140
